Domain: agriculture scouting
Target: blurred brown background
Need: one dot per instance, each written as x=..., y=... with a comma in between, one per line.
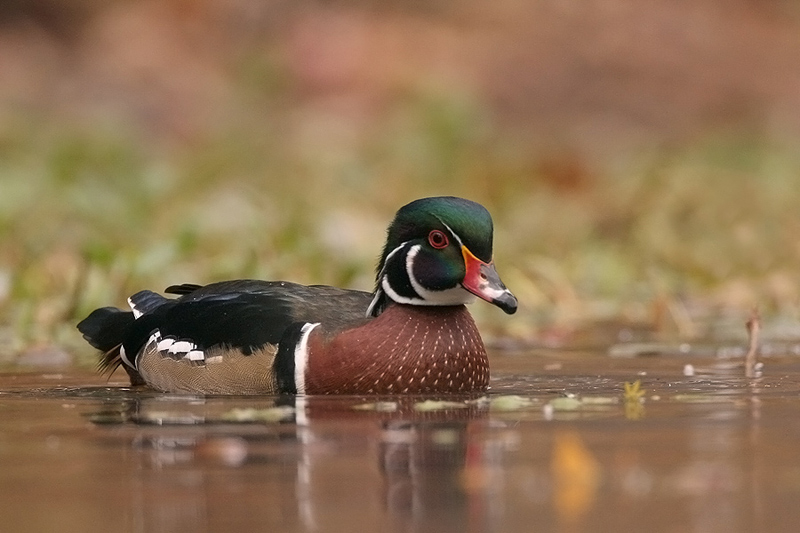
x=640, y=157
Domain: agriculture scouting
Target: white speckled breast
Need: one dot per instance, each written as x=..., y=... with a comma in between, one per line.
x=407, y=349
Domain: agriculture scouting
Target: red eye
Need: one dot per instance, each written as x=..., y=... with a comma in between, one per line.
x=438, y=239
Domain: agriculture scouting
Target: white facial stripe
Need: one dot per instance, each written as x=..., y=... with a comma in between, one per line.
x=419, y=289
x=396, y=297
x=457, y=295
x=384, y=284
x=453, y=296
x=453, y=233
x=390, y=254
x=301, y=358
x=390, y=292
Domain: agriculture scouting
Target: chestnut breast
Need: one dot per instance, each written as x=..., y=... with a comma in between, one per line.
x=407, y=349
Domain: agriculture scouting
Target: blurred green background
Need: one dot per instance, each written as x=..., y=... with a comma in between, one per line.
x=640, y=158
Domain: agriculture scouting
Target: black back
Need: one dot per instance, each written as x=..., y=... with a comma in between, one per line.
x=246, y=314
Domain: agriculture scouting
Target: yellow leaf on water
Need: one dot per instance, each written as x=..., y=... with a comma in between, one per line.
x=634, y=400
x=633, y=391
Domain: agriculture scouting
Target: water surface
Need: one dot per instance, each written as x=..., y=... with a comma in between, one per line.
x=555, y=446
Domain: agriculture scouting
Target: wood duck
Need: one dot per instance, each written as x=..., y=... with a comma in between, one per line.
x=412, y=334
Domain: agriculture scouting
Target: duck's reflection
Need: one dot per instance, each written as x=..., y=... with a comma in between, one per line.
x=407, y=467
x=327, y=469
x=422, y=468
x=321, y=465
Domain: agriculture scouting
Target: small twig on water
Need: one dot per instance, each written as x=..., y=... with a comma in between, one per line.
x=753, y=327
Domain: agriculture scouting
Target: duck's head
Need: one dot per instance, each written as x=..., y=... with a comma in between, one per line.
x=439, y=252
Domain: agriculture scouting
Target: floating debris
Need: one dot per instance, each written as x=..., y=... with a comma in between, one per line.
x=251, y=414
x=438, y=405
x=169, y=418
x=701, y=398
x=481, y=402
x=572, y=402
x=511, y=402
x=381, y=407
x=108, y=417
x=567, y=403
x=599, y=400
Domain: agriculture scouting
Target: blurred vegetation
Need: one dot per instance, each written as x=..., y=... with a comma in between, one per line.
x=289, y=178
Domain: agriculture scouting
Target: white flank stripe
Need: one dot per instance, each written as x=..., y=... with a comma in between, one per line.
x=155, y=338
x=181, y=347
x=195, y=355
x=301, y=358
x=151, y=344
x=164, y=344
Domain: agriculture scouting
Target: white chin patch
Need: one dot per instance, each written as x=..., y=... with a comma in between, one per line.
x=457, y=295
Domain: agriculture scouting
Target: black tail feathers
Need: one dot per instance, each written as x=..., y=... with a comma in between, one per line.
x=106, y=328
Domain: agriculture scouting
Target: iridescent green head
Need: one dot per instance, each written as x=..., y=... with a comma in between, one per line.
x=439, y=252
